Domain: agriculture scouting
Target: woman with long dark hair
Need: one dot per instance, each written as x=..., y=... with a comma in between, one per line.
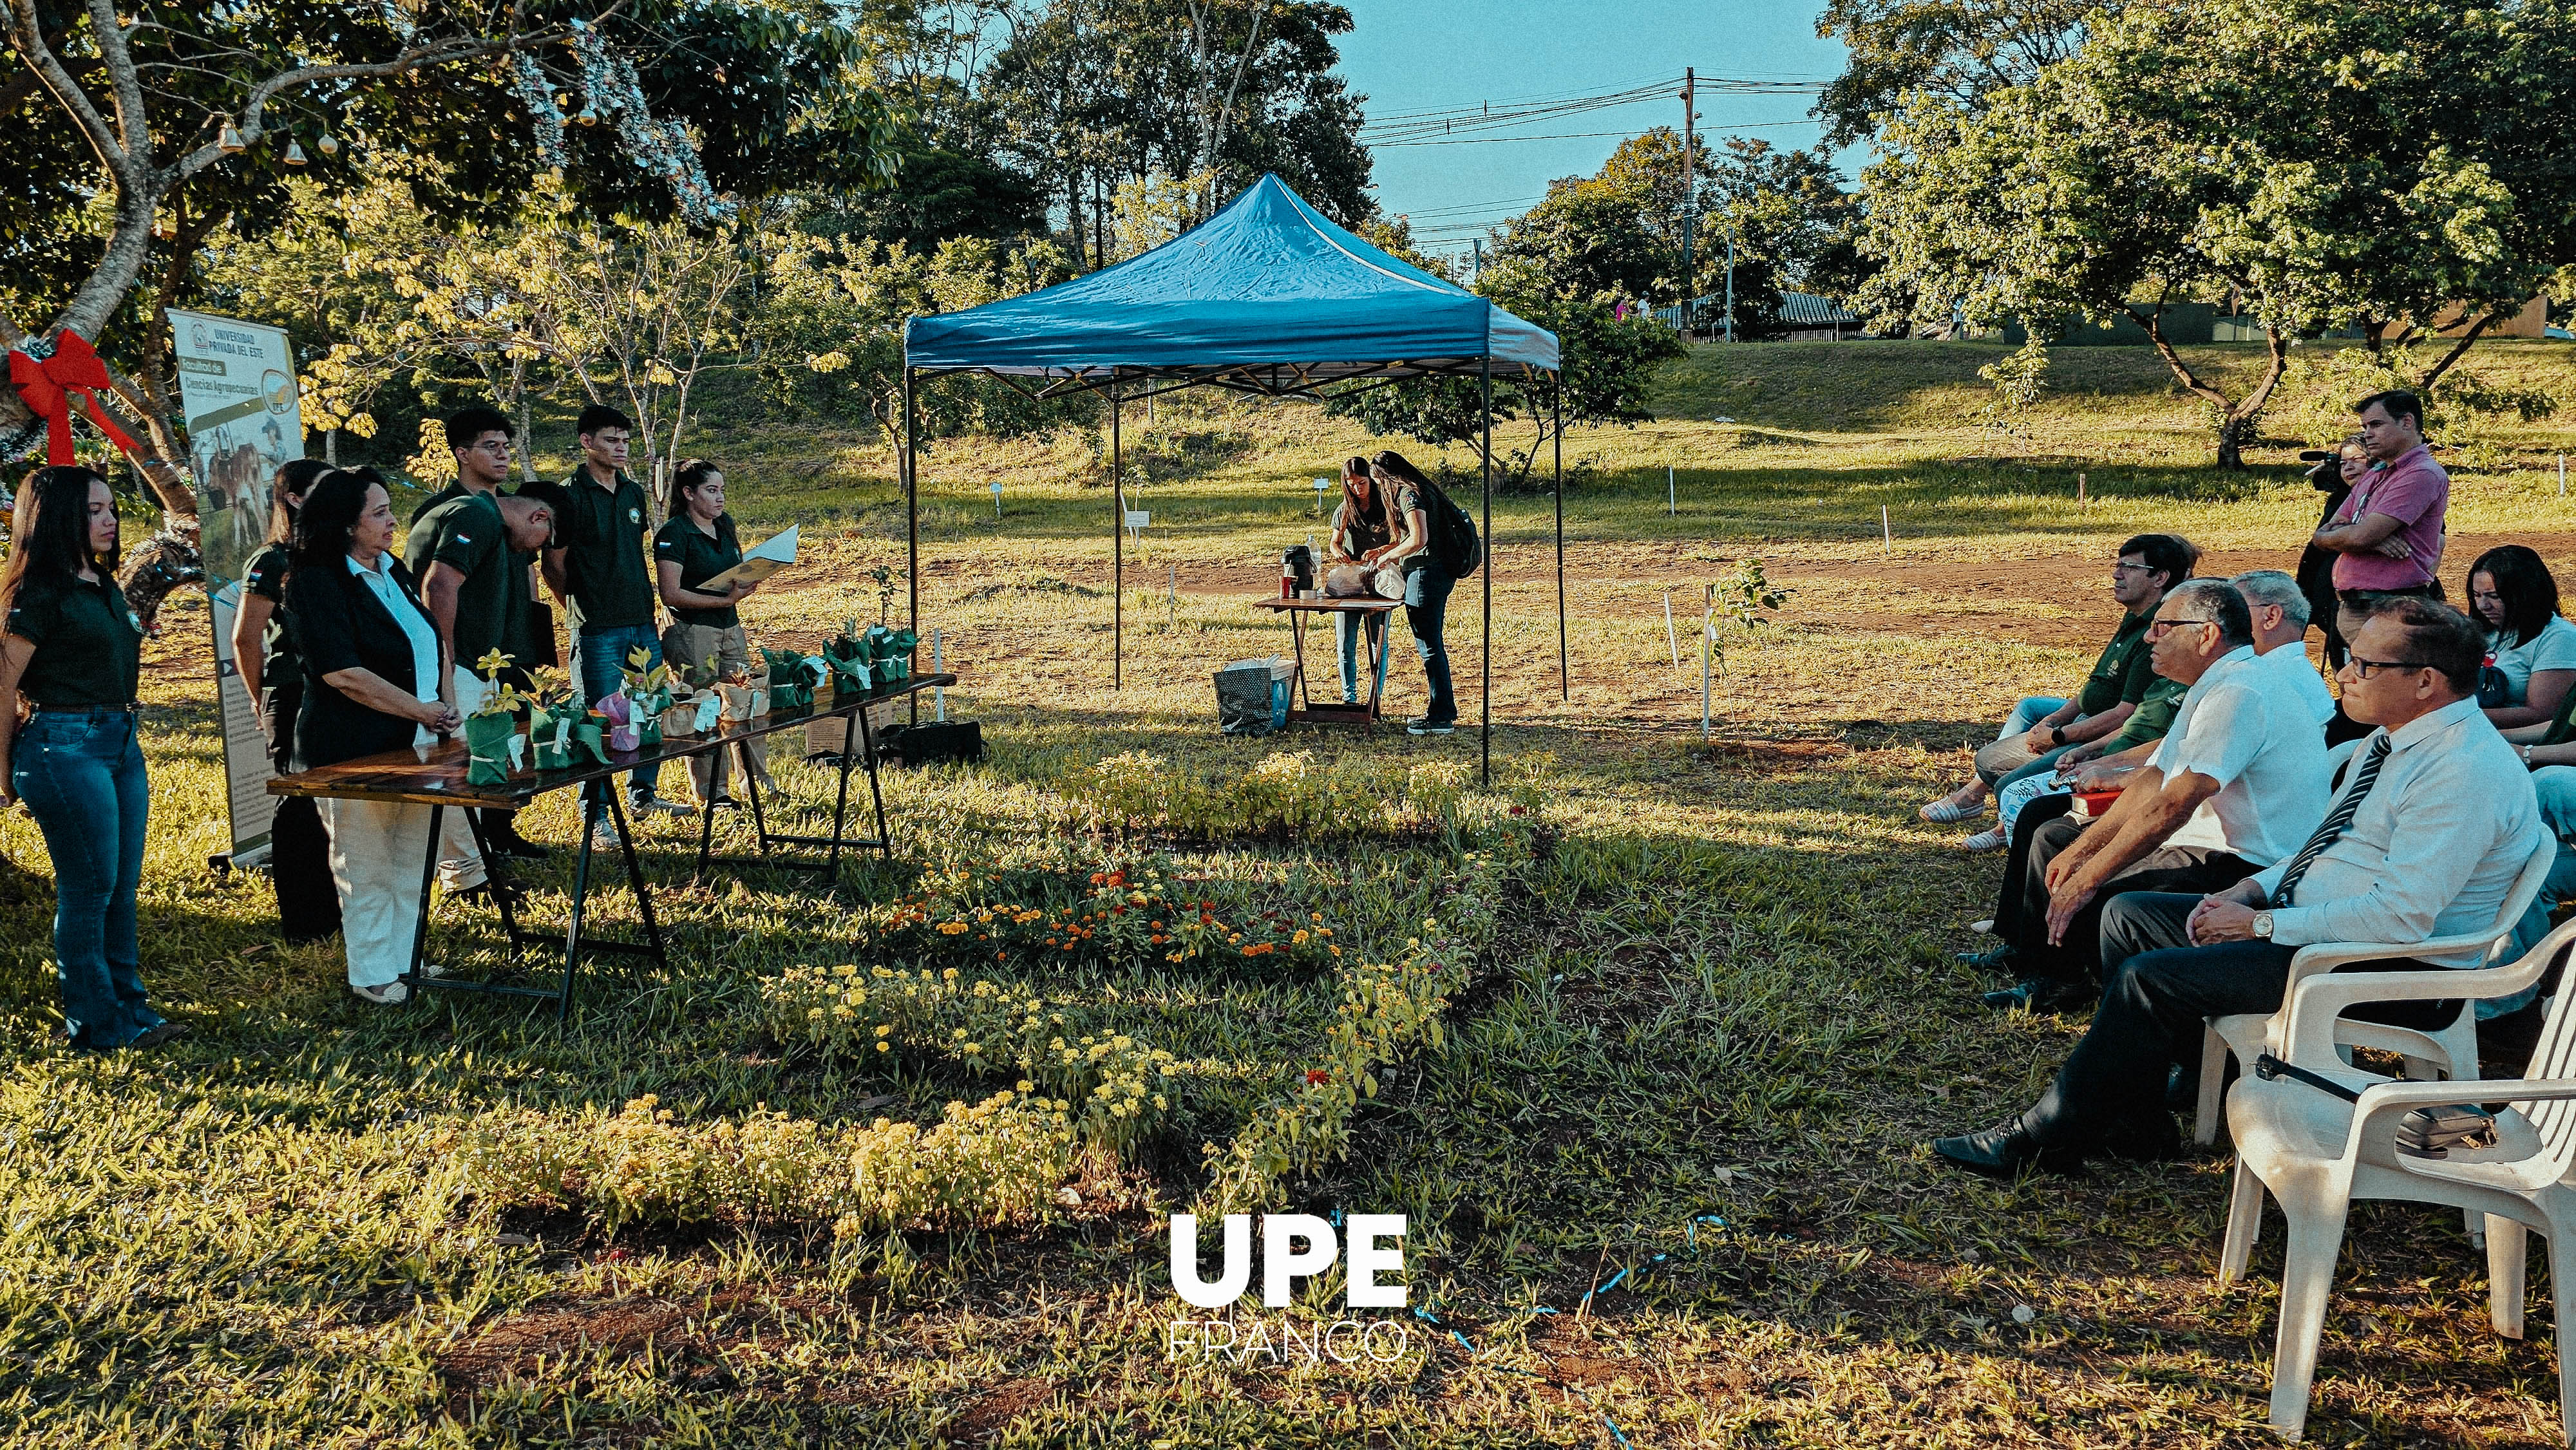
x=698, y=544
x=371, y=677
x=2531, y=650
x=299, y=850
x=1361, y=533
x=1410, y=498
x=69, y=663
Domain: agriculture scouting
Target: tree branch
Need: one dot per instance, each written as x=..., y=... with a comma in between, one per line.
x=29, y=39
x=2153, y=323
x=133, y=123
x=15, y=91
x=2466, y=339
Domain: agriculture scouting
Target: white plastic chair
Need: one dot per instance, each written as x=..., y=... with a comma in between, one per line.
x=2317, y=1153
x=2451, y=1052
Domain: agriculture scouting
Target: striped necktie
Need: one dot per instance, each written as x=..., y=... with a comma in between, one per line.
x=2337, y=821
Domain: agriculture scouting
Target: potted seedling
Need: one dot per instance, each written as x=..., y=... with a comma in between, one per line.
x=492, y=744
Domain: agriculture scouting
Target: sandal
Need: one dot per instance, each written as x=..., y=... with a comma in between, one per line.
x=1947, y=811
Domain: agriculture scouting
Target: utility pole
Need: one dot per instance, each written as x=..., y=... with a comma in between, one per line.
x=1690, y=191
x=1479, y=243
x=1730, y=280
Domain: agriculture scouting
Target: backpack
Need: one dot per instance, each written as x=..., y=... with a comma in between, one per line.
x=1454, y=545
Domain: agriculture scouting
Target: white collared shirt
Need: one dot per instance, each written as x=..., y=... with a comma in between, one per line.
x=2244, y=725
x=415, y=627
x=2291, y=659
x=2434, y=847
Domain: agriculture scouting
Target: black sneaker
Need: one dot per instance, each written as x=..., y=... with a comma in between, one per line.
x=158, y=1033
x=1425, y=725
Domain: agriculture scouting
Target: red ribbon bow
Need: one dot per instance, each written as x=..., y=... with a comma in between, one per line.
x=46, y=387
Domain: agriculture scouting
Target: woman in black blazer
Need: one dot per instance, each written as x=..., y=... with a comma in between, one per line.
x=371, y=684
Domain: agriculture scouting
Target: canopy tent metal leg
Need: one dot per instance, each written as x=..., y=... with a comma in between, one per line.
x=1485, y=725
x=1117, y=549
x=1564, y=680
x=912, y=517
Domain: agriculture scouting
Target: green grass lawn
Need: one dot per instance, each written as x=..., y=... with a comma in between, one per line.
x=1698, y=1011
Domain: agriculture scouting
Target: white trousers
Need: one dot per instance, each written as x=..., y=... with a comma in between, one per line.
x=376, y=851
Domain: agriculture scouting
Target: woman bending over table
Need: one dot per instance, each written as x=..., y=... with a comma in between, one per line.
x=371, y=676
x=695, y=546
x=1360, y=533
x=71, y=657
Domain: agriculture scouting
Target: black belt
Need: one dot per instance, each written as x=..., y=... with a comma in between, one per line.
x=126, y=709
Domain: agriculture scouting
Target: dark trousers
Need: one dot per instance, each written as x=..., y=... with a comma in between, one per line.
x=1426, y=609
x=2009, y=894
x=2158, y=990
x=299, y=850
x=2194, y=869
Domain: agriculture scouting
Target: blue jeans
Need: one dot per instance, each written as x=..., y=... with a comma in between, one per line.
x=1349, y=627
x=2555, y=785
x=1426, y=609
x=82, y=778
x=600, y=656
x=2032, y=710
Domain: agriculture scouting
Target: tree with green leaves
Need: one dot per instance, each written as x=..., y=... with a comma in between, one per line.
x=2321, y=162
x=1611, y=348
x=1957, y=50
x=147, y=129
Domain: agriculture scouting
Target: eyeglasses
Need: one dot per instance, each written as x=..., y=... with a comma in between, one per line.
x=2361, y=668
x=500, y=446
x=2156, y=629
x=2125, y=567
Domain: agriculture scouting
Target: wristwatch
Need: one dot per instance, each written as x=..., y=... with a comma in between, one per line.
x=2057, y=735
x=2263, y=926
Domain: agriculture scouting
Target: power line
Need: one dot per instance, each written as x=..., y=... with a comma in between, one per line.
x=1421, y=127
x=1575, y=135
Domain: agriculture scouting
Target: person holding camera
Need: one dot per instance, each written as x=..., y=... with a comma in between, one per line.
x=1432, y=568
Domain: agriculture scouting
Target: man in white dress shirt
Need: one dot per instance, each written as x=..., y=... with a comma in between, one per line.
x=2281, y=635
x=2435, y=819
x=2234, y=786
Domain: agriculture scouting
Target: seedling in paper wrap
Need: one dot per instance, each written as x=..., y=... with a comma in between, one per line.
x=552, y=719
x=493, y=747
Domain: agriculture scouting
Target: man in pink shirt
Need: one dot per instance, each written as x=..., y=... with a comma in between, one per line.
x=2387, y=537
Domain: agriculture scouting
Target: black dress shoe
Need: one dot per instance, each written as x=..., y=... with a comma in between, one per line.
x=1992, y=959
x=516, y=846
x=159, y=1033
x=516, y=895
x=2040, y=994
x=1998, y=1152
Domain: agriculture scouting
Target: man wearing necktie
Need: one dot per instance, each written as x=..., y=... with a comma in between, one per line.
x=2435, y=818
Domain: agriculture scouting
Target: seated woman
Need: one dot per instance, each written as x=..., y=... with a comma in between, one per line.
x=695, y=546
x=371, y=678
x=2531, y=650
x=1360, y=533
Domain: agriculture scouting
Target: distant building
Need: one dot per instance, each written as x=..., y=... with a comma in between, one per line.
x=1807, y=317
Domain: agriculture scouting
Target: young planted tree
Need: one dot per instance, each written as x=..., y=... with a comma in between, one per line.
x=2323, y=162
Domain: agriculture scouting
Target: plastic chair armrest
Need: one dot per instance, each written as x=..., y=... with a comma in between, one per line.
x=2307, y=1034
x=2382, y=1102
x=2327, y=956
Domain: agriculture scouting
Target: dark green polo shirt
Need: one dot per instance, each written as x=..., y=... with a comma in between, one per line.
x=2123, y=671
x=2153, y=717
x=89, y=644
x=603, y=539
x=466, y=534
x=700, y=558
x=266, y=577
x=452, y=491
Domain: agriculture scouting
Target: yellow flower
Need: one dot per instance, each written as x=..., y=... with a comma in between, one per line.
x=881, y=1047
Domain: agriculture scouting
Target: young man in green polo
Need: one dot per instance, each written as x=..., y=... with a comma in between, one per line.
x=599, y=567
x=470, y=546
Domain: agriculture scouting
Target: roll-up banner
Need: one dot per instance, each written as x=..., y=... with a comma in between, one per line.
x=237, y=390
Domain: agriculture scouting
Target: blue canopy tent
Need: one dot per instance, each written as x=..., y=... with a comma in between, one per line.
x=1268, y=298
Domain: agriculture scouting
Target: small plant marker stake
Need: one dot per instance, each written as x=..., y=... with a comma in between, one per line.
x=1670, y=637
x=2080, y=500
x=1886, y=533
x=1321, y=483
x=1173, y=599
x=2562, y=475
x=1707, y=656
x=997, y=498
x=1672, y=500
x=938, y=693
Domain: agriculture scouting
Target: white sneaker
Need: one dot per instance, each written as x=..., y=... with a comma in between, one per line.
x=389, y=995
x=1983, y=928
x=603, y=835
x=655, y=805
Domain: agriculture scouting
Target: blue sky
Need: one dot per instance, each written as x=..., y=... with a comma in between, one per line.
x=1426, y=55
